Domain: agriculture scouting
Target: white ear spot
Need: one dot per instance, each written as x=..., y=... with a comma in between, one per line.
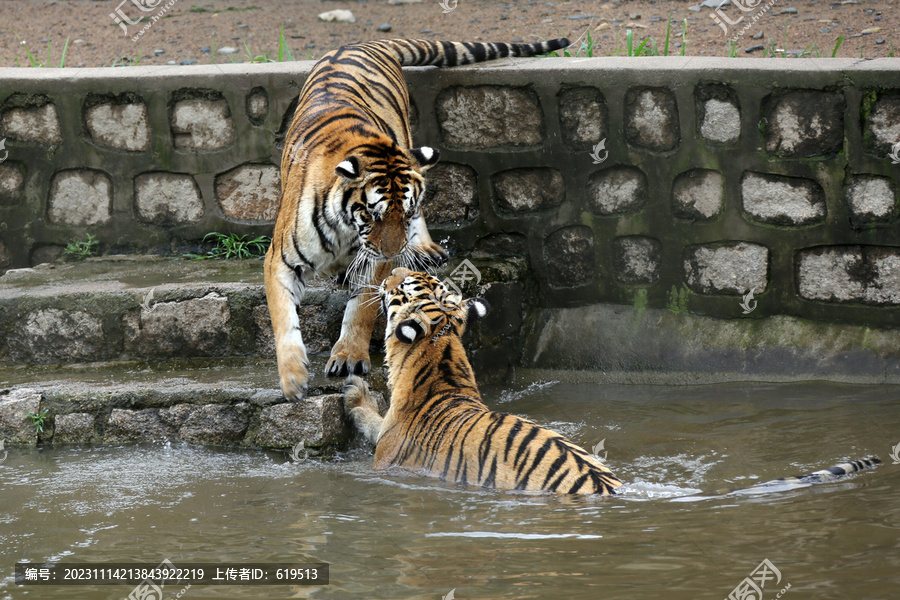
x=480, y=309
x=427, y=152
x=408, y=332
x=346, y=165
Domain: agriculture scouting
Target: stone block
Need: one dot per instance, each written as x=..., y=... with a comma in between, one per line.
x=727, y=268
x=883, y=120
x=202, y=124
x=858, y=274
x=216, y=424
x=125, y=425
x=80, y=197
x=805, y=124
x=315, y=327
x=490, y=116
x=53, y=335
x=503, y=244
x=617, y=190
x=12, y=182
x=451, y=195
x=526, y=190
x=871, y=198
x=636, y=259
x=74, y=428
x=195, y=327
x=38, y=124
x=569, y=256
x=318, y=422
x=257, y=105
x=651, y=119
x=780, y=200
x=15, y=406
x=167, y=198
x=583, y=117
x=721, y=122
x=122, y=126
x=698, y=194
x=250, y=192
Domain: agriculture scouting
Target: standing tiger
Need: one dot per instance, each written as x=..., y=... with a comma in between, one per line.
x=351, y=190
x=437, y=422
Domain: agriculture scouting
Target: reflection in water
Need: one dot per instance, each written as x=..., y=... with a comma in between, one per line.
x=674, y=531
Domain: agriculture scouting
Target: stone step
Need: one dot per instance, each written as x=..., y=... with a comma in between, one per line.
x=137, y=307
x=143, y=308
x=227, y=402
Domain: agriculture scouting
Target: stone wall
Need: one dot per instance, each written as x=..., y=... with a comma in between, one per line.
x=679, y=183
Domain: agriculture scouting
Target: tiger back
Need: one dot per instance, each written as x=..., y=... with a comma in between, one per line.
x=437, y=422
x=351, y=190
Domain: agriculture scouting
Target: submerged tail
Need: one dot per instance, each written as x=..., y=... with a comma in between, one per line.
x=419, y=53
x=835, y=473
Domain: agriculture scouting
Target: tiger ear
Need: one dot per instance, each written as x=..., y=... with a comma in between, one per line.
x=349, y=168
x=426, y=156
x=407, y=331
x=476, y=308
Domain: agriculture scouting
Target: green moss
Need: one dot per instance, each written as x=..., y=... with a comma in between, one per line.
x=677, y=299
x=587, y=219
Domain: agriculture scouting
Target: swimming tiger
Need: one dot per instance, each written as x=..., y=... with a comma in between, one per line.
x=437, y=422
x=351, y=190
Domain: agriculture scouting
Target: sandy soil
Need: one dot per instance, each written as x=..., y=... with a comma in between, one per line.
x=198, y=30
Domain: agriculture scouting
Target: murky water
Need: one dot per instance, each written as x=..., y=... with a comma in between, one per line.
x=672, y=533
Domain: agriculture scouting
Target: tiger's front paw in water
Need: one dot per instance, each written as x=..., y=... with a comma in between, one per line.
x=294, y=373
x=348, y=359
x=431, y=255
x=361, y=409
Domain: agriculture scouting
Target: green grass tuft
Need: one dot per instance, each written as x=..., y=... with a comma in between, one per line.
x=82, y=248
x=232, y=246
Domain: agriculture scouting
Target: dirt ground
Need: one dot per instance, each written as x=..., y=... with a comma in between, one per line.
x=199, y=30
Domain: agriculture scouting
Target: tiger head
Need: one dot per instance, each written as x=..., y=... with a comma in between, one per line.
x=382, y=186
x=419, y=307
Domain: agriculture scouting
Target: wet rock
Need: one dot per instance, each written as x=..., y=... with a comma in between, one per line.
x=257, y=106
x=867, y=274
x=528, y=190
x=636, y=259
x=451, y=195
x=804, y=124
x=74, y=428
x=698, y=194
x=871, y=198
x=80, y=197
x=32, y=124
x=617, y=190
x=318, y=422
x=782, y=200
x=124, y=425
x=15, y=406
x=583, y=117
x=721, y=121
x=196, y=327
x=651, y=119
x=53, y=335
x=12, y=180
x=569, y=254
x=216, y=424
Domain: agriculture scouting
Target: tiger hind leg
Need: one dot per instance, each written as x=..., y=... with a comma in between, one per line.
x=284, y=290
x=350, y=354
x=358, y=404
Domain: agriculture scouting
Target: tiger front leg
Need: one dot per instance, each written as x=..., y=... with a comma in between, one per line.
x=350, y=354
x=428, y=253
x=358, y=404
x=284, y=290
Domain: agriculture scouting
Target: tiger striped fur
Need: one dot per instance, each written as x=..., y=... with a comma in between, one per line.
x=437, y=422
x=834, y=473
x=351, y=190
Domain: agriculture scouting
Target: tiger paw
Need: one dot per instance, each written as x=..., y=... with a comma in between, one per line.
x=345, y=362
x=432, y=255
x=294, y=376
x=356, y=394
